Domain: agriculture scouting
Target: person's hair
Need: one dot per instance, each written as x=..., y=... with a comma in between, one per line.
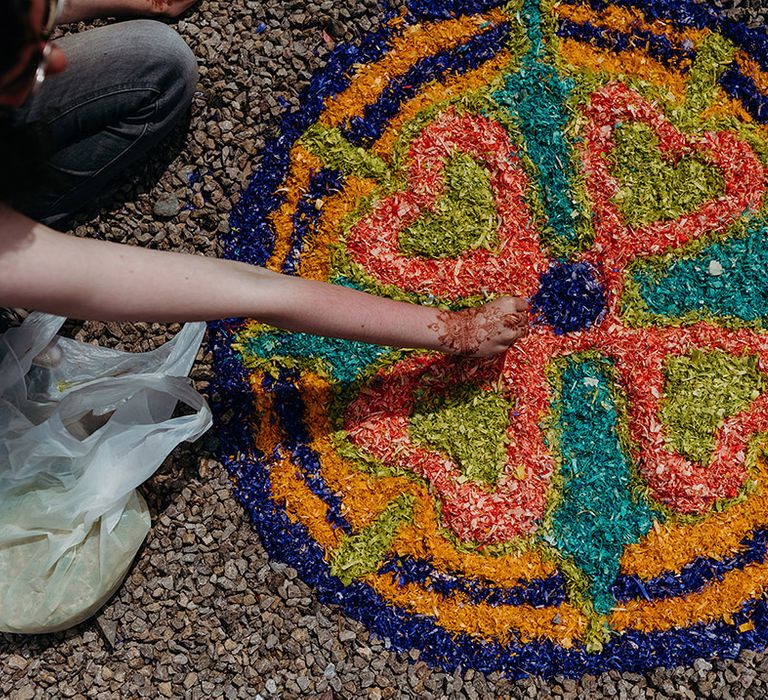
x=23, y=148
x=14, y=31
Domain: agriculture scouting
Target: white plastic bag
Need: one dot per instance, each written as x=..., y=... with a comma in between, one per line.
x=76, y=439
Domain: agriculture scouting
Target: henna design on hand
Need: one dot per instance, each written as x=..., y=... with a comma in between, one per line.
x=464, y=332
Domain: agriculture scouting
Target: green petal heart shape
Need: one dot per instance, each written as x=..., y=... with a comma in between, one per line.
x=702, y=389
x=654, y=188
x=469, y=424
x=463, y=218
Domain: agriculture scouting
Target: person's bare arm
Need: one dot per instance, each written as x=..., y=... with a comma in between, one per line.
x=84, y=10
x=87, y=279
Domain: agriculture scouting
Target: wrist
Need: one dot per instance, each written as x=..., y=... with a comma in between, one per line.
x=452, y=330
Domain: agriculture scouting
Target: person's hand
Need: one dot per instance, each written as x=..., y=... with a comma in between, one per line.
x=483, y=330
x=170, y=8
x=86, y=10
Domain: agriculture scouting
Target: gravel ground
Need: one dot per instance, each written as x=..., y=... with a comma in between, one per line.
x=203, y=612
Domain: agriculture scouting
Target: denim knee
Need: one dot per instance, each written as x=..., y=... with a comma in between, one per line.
x=168, y=63
x=126, y=87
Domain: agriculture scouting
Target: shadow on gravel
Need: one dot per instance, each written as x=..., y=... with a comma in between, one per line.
x=140, y=178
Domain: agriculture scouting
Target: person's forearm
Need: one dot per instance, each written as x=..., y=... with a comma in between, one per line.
x=88, y=279
x=162, y=286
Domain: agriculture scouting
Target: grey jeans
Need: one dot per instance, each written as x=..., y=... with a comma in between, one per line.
x=125, y=87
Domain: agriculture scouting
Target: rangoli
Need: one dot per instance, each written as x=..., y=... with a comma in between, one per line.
x=597, y=497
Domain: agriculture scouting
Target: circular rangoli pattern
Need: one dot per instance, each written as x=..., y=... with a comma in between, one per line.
x=597, y=497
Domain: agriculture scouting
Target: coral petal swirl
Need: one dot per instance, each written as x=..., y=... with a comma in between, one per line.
x=683, y=485
x=377, y=422
x=372, y=243
x=618, y=243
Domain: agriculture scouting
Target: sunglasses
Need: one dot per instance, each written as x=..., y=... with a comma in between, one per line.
x=29, y=80
x=51, y=14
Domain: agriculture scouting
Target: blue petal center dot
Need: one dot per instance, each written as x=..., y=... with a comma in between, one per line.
x=570, y=297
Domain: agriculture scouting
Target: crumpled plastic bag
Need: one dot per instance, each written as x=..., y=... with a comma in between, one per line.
x=76, y=439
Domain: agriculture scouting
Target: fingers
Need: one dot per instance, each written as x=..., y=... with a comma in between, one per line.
x=514, y=334
x=172, y=8
x=500, y=344
x=515, y=320
x=513, y=310
x=511, y=305
x=505, y=335
x=521, y=304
